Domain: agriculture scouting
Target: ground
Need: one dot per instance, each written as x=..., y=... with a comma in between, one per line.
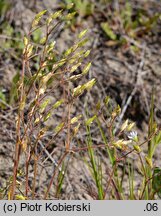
x=127, y=69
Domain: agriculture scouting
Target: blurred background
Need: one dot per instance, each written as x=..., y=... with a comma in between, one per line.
x=125, y=42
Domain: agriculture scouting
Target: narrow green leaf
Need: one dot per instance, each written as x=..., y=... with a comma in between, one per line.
x=82, y=33
x=90, y=120
x=86, y=68
x=106, y=28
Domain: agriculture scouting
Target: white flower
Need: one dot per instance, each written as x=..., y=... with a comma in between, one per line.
x=133, y=135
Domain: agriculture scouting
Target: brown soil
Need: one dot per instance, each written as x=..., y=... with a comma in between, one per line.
x=120, y=73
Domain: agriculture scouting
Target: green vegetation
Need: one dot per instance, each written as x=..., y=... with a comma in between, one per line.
x=45, y=73
x=134, y=24
x=83, y=7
